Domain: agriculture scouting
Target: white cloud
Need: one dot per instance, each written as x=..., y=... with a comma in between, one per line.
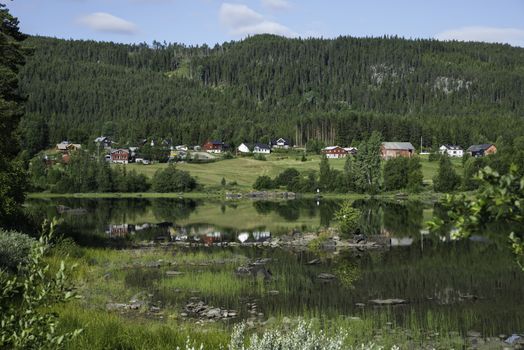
x=105, y=22
x=242, y=20
x=276, y=4
x=512, y=36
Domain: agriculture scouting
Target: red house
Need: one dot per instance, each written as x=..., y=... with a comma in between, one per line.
x=214, y=146
x=120, y=156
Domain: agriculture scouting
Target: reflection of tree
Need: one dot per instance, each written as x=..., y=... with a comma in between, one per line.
x=264, y=207
x=169, y=209
x=327, y=211
x=403, y=219
x=289, y=211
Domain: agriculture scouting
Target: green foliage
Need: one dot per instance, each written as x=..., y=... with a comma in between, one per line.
x=15, y=249
x=415, y=176
x=348, y=218
x=26, y=299
x=286, y=177
x=171, y=179
x=263, y=182
x=259, y=156
x=300, y=337
x=255, y=90
x=499, y=198
x=12, y=177
x=304, y=184
x=396, y=173
x=315, y=146
x=367, y=166
x=447, y=179
x=223, y=181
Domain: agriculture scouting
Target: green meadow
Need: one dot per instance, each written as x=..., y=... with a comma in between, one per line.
x=245, y=170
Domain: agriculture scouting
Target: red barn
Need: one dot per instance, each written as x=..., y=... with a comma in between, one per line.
x=214, y=146
x=335, y=152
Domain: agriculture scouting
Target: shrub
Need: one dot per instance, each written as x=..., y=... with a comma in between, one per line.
x=301, y=337
x=286, y=177
x=263, y=182
x=260, y=156
x=348, y=218
x=26, y=298
x=173, y=180
x=14, y=249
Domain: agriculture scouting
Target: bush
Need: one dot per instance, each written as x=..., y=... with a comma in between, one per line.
x=14, y=249
x=259, y=156
x=348, y=219
x=301, y=337
x=286, y=177
x=263, y=182
x=173, y=180
x=228, y=155
x=26, y=298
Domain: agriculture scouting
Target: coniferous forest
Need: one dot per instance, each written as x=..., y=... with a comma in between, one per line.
x=334, y=90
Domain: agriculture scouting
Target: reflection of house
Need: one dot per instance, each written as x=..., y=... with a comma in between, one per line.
x=280, y=143
x=451, y=150
x=212, y=237
x=120, y=156
x=390, y=150
x=122, y=230
x=261, y=236
x=243, y=236
x=334, y=152
x=401, y=242
x=261, y=148
x=482, y=150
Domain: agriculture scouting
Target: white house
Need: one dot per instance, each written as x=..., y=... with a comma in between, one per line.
x=244, y=148
x=261, y=148
x=451, y=150
x=280, y=143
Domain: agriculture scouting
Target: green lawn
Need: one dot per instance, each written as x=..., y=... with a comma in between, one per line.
x=245, y=170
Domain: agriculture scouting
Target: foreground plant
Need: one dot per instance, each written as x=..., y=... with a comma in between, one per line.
x=499, y=198
x=26, y=298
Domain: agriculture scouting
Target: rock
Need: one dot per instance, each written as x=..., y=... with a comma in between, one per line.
x=213, y=313
x=154, y=309
x=326, y=276
x=360, y=304
x=135, y=306
x=387, y=301
x=513, y=339
x=313, y=262
x=273, y=292
x=115, y=306
x=174, y=273
x=183, y=314
x=473, y=334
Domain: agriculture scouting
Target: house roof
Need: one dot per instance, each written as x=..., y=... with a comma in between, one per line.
x=275, y=141
x=482, y=147
x=119, y=150
x=262, y=146
x=398, y=145
x=451, y=147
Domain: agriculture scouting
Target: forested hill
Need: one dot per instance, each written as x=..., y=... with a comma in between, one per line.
x=336, y=90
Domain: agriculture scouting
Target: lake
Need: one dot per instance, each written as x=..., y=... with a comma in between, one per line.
x=450, y=285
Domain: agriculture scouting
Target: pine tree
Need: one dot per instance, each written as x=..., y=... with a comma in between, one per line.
x=446, y=180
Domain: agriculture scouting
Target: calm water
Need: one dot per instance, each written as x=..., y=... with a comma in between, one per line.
x=464, y=285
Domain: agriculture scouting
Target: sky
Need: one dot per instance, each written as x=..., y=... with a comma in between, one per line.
x=195, y=22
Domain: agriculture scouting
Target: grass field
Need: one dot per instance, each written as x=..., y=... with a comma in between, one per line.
x=245, y=170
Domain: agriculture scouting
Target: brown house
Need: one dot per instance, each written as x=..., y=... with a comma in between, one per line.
x=335, y=152
x=120, y=156
x=482, y=150
x=390, y=150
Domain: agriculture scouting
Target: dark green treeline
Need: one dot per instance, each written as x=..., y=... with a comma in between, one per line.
x=335, y=90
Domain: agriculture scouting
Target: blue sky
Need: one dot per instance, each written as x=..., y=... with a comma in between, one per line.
x=216, y=21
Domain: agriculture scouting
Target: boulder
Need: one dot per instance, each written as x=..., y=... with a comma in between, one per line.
x=383, y=302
